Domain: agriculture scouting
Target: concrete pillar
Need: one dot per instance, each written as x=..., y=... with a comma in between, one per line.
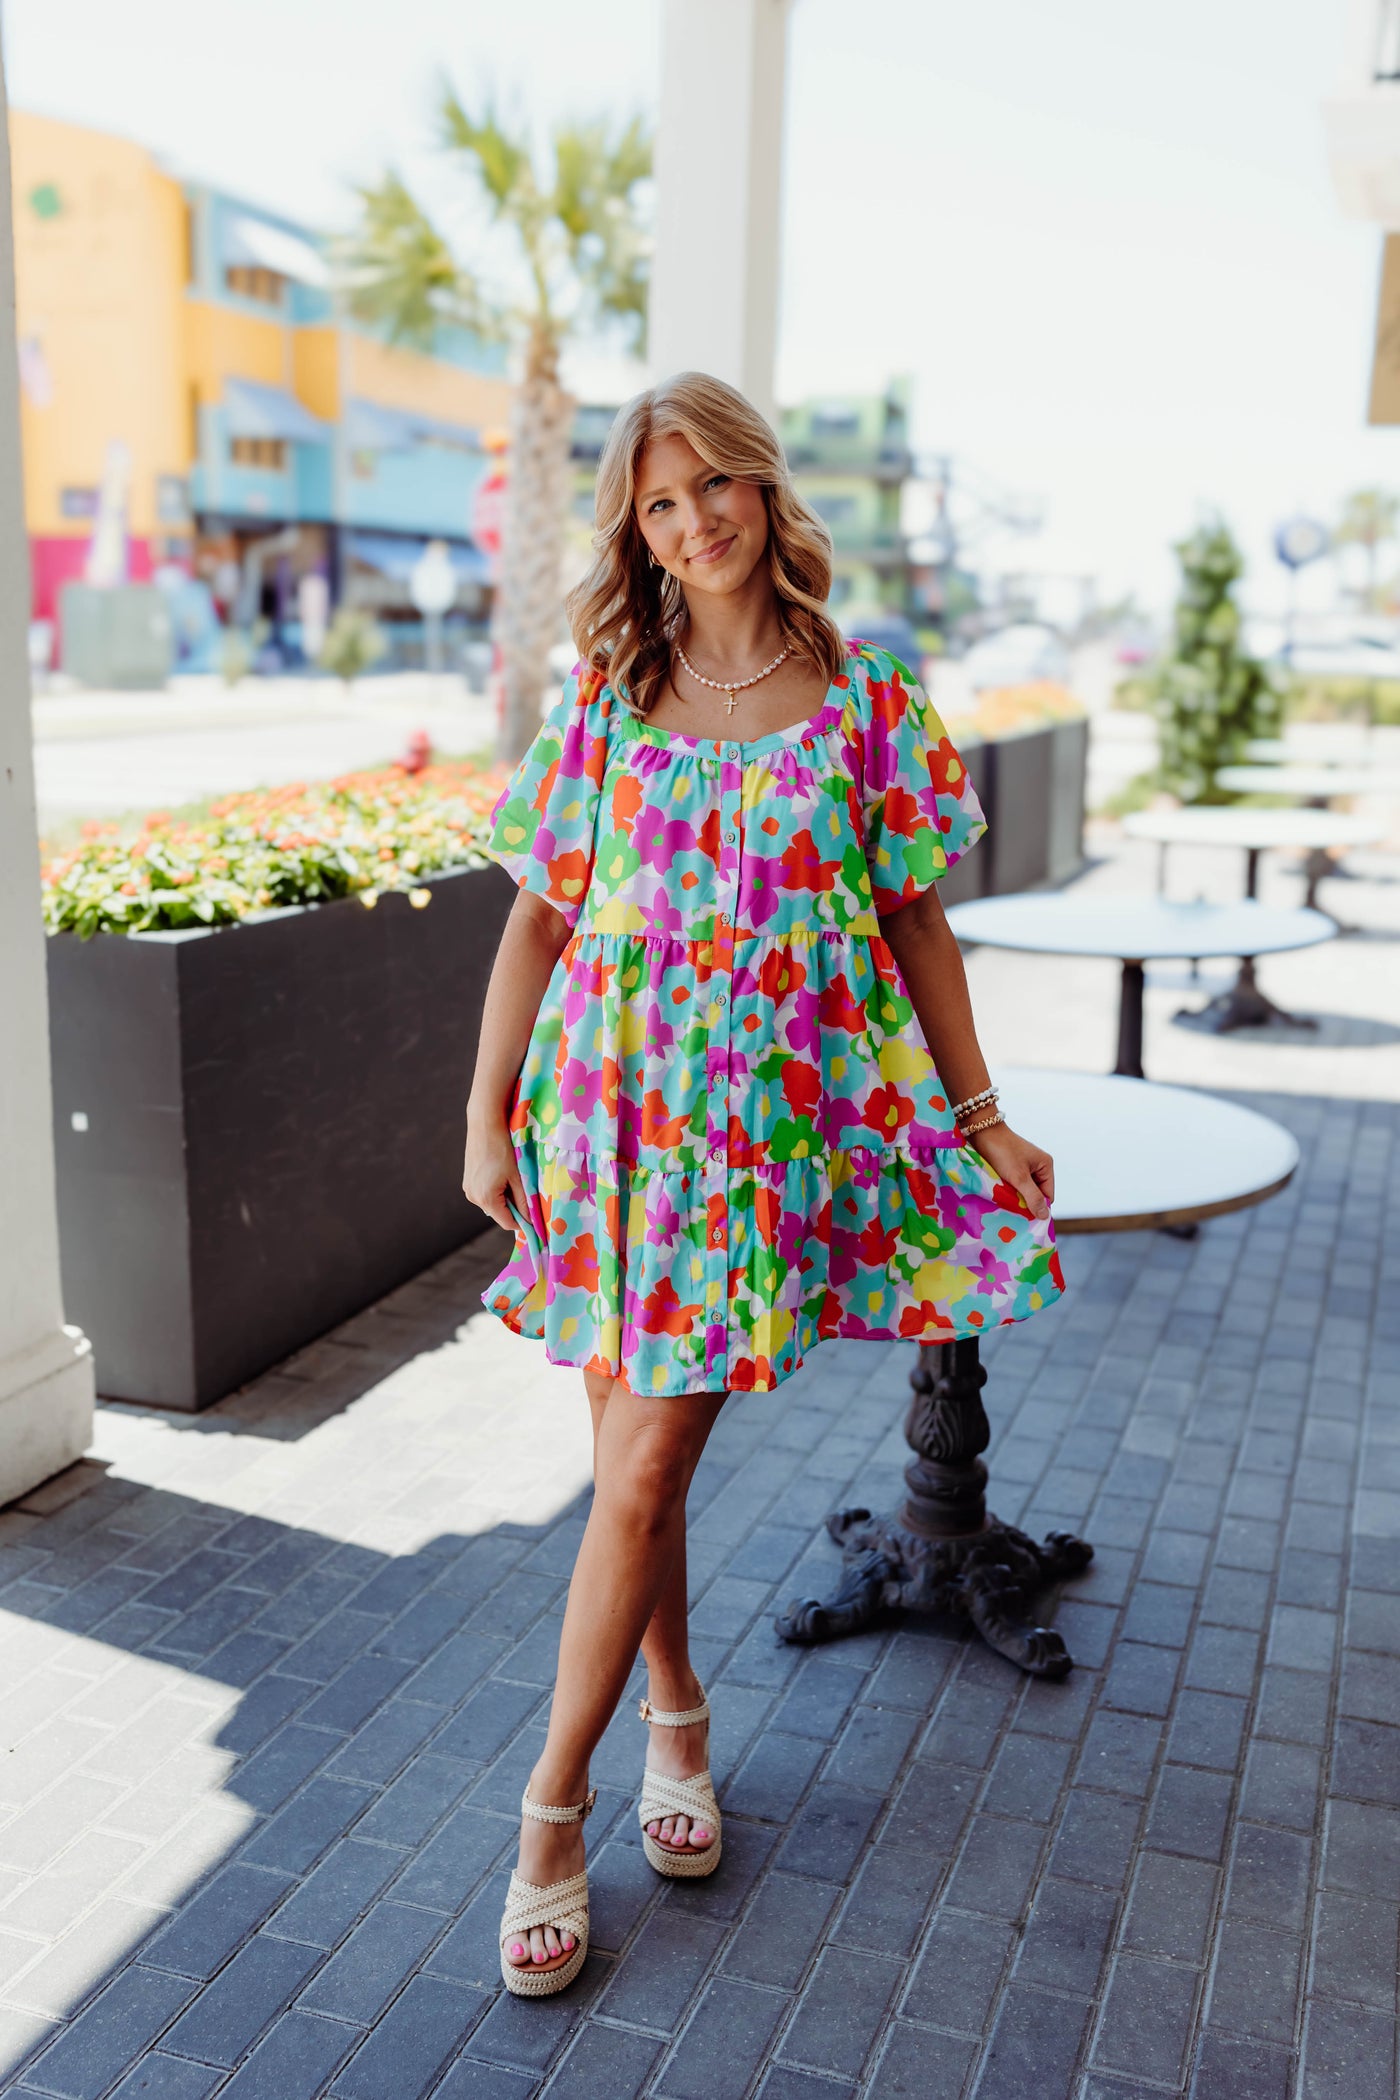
x=719, y=153
x=46, y=1384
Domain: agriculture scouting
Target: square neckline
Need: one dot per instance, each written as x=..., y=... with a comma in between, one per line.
x=828, y=717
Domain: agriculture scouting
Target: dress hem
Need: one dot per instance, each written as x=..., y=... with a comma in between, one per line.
x=509, y=1317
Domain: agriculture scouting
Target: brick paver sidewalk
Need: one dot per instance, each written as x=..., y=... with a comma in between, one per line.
x=270, y=1688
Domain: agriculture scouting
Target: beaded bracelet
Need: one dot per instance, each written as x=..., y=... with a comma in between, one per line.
x=973, y=1101
x=982, y=1123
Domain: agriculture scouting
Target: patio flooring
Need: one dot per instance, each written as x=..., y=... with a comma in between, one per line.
x=271, y=1683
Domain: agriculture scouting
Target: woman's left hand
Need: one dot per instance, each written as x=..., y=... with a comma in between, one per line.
x=1027, y=1167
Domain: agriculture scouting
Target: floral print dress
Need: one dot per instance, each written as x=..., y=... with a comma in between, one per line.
x=730, y=1131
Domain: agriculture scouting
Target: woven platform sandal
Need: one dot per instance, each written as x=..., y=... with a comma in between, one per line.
x=563, y=1904
x=695, y=1797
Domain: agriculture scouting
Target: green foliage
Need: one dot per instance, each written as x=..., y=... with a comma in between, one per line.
x=352, y=646
x=577, y=227
x=247, y=853
x=398, y=269
x=238, y=647
x=1369, y=517
x=1209, y=697
x=1344, y=700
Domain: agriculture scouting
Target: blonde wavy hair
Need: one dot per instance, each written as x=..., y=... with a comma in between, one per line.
x=626, y=613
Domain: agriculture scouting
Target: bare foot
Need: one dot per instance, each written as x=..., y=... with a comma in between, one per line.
x=548, y=1852
x=681, y=1753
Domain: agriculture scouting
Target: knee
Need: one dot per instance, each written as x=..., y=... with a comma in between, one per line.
x=649, y=1476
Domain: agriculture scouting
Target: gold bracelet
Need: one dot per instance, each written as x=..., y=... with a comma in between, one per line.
x=968, y=1130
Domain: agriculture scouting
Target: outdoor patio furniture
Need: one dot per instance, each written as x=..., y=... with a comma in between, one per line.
x=1315, y=783
x=1138, y=930
x=1255, y=831
x=1128, y=1156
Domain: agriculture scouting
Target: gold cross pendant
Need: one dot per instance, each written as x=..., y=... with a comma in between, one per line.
x=729, y=703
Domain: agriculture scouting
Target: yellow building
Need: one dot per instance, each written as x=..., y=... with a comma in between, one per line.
x=183, y=352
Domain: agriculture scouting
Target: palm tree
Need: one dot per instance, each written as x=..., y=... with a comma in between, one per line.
x=578, y=257
x=1369, y=518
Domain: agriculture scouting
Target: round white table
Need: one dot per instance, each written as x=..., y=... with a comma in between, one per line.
x=1138, y=930
x=1314, y=784
x=1127, y=1156
x=1254, y=831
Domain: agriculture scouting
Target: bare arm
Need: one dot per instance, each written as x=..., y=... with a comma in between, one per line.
x=926, y=949
x=535, y=937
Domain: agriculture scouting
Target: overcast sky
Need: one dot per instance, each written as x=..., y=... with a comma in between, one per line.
x=1100, y=235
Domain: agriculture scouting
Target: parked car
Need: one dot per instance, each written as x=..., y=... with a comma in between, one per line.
x=885, y=630
x=1018, y=655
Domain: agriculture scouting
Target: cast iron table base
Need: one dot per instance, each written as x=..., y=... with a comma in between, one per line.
x=1243, y=1006
x=943, y=1552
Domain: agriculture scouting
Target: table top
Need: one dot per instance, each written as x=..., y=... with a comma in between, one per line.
x=1130, y=1154
x=1224, y=826
x=1349, y=746
x=1309, y=780
x=1135, y=929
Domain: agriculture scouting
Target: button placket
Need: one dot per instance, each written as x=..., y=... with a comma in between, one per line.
x=720, y=1023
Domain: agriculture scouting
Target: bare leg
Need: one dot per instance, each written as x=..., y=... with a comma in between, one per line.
x=645, y=1452
x=672, y=1685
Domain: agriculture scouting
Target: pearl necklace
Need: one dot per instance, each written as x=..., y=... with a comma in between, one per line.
x=723, y=685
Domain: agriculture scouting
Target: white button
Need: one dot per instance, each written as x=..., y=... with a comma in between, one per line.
x=717, y=1235
x=731, y=750
x=731, y=838
x=720, y=998
x=717, y=1152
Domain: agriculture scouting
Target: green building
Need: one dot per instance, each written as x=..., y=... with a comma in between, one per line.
x=850, y=458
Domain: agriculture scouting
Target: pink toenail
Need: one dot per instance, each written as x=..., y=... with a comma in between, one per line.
x=518, y=1951
x=700, y=1837
x=541, y=1957
x=568, y=1942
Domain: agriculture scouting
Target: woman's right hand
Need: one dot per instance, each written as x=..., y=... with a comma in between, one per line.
x=491, y=1171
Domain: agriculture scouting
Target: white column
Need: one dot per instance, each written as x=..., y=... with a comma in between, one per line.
x=46, y=1383
x=719, y=153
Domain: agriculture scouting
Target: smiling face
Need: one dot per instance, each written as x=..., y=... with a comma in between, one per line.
x=706, y=528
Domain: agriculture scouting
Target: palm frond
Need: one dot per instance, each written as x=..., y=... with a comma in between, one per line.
x=595, y=176
x=500, y=161
x=398, y=271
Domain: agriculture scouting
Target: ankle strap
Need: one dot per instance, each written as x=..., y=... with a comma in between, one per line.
x=543, y=1814
x=651, y=1713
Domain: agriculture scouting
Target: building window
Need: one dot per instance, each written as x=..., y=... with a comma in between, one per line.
x=1388, y=41
x=835, y=422
x=252, y=281
x=267, y=453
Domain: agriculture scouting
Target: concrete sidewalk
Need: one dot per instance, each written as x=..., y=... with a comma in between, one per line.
x=274, y=1681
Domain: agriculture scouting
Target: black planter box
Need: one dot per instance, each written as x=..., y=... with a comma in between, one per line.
x=1031, y=788
x=258, y=1128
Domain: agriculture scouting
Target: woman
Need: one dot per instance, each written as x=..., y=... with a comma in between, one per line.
x=704, y=1098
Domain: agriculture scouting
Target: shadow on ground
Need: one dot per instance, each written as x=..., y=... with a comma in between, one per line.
x=258, y=1785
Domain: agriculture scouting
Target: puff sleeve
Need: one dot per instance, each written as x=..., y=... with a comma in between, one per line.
x=543, y=827
x=921, y=813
